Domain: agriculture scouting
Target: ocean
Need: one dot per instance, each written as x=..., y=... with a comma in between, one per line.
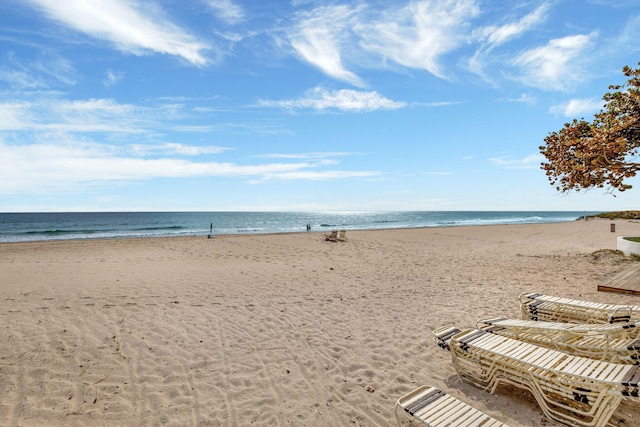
x=24, y=227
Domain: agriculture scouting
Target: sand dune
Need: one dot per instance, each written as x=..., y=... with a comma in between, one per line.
x=273, y=330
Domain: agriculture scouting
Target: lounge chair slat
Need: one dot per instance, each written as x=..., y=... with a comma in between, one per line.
x=433, y=412
x=631, y=375
x=454, y=407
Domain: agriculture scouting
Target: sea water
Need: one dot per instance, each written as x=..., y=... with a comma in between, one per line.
x=20, y=227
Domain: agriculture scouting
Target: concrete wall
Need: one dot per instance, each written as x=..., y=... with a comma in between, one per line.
x=628, y=247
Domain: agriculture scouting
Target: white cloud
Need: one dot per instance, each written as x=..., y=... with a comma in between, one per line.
x=497, y=35
x=418, y=35
x=175, y=148
x=112, y=78
x=48, y=69
x=530, y=162
x=227, y=10
x=63, y=165
x=133, y=27
x=91, y=115
x=577, y=107
x=492, y=36
x=20, y=79
x=316, y=175
x=555, y=65
x=318, y=38
x=344, y=99
x=306, y=155
x=45, y=166
x=14, y=116
x=524, y=98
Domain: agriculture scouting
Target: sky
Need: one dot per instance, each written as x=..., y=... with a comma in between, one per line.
x=301, y=105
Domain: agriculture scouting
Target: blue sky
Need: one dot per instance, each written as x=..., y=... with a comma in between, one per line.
x=300, y=105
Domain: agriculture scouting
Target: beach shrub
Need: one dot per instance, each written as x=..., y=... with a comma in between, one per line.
x=615, y=256
x=619, y=215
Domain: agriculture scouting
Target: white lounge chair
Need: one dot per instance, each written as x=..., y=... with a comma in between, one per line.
x=555, y=309
x=616, y=342
x=333, y=237
x=573, y=390
x=436, y=408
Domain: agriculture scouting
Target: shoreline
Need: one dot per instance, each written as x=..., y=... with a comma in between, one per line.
x=323, y=231
x=275, y=329
x=77, y=226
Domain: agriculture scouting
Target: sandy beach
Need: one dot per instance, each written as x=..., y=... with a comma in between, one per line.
x=274, y=330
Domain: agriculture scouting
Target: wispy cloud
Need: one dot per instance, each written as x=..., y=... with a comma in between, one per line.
x=131, y=26
x=495, y=35
x=20, y=79
x=555, y=65
x=316, y=175
x=414, y=36
x=419, y=34
x=14, y=116
x=227, y=10
x=436, y=173
x=172, y=148
x=344, y=100
x=492, y=36
x=318, y=37
x=306, y=155
x=54, y=149
x=45, y=71
x=92, y=115
x=52, y=166
x=37, y=167
x=49, y=113
x=112, y=77
x=577, y=107
x=530, y=162
x=524, y=98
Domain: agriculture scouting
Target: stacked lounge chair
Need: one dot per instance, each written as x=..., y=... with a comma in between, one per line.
x=618, y=342
x=578, y=372
x=574, y=390
x=555, y=309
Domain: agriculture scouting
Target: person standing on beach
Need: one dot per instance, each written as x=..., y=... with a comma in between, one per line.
x=211, y=228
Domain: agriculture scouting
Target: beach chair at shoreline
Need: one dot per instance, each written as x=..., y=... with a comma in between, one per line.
x=555, y=309
x=616, y=342
x=333, y=237
x=342, y=236
x=436, y=408
x=573, y=390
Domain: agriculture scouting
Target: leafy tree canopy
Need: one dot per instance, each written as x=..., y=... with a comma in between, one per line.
x=601, y=153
